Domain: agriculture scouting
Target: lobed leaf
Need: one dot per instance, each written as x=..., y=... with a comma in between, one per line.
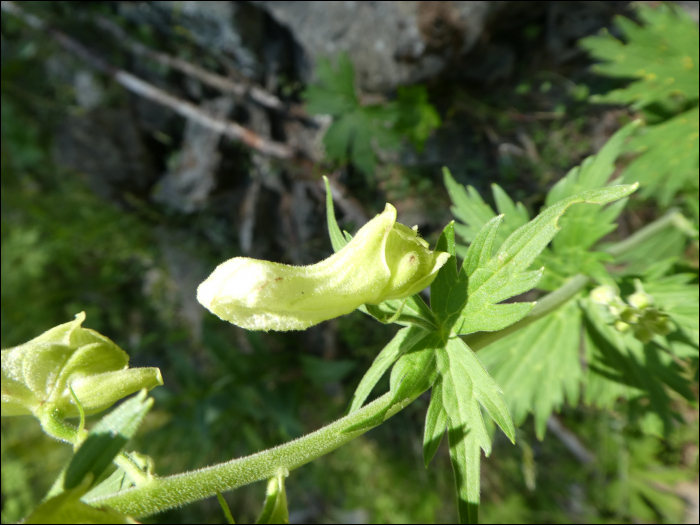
x=669, y=158
x=435, y=423
x=494, y=279
x=662, y=57
x=464, y=385
x=539, y=366
x=469, y=207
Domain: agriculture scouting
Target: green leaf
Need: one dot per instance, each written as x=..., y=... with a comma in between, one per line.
x=106, y=439
x=141, y=468
x=66, y=507
x=594, y=172
x=403, y=341
x=354, y=127
x=494, y=279
x=539, y=366
x=435, y=423
x=334, y=94
x=516, y=213
x=662, y=56
x=669, y=158
x=337, y=238
x=275, y=508
x=415, y=371
x=470, y=208
x=448, y=292
x=224, y=507
x=417, y=117
x=462, y=385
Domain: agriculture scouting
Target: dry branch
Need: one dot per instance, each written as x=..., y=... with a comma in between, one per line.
x=257, y=94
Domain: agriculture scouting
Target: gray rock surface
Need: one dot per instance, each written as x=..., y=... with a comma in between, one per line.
x=390, y=43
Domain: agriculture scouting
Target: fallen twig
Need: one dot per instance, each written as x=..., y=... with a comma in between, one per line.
x=188, y=110
x=257, y=94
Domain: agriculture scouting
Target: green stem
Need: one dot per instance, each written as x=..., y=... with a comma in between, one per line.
x=545, y=306
x=640, y=237
x=160, y=494
x=573, y=286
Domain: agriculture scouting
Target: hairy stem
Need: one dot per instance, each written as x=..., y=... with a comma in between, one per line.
x=160, y=494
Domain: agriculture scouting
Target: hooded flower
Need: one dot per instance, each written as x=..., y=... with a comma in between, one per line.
x=37, y=374
x=384, y=261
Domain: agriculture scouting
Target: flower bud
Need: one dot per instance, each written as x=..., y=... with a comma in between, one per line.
x=604, y=294
x=36, y=375
x=640, y=300
x=621, y=326
x=384, y=261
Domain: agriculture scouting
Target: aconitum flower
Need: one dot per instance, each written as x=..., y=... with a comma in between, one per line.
x=36, y=376
x=384, y=261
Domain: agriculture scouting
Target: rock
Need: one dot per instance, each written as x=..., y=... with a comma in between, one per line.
x=188, y=184
x=390, y=43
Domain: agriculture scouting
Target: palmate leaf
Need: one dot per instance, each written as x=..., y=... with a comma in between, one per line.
x=640, y=491
x=474, y=213
x=494, y=279
x=662, y=56
x=669, y=157
x=402, y=342
x=355, y=128
x=417, y=117
x=582, y=226
x=539, y=366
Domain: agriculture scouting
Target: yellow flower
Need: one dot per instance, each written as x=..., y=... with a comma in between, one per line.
x=384, y=261
x=37, y=374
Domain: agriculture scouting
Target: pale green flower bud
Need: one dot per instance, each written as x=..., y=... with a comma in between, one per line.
x=384, y=261
x=604, y=294
x=36, y=375
x=640, y=300
x=621, y=326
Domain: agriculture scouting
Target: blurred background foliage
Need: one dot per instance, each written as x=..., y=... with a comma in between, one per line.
x=131, y=261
